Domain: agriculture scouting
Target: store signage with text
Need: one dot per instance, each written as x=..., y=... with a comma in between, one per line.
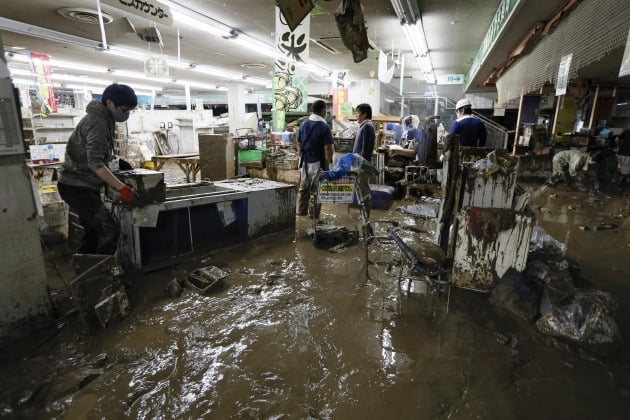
x=340, y=96
x=338, y=191
x=563, y=74
x=148, y=9
x=40, y=67
x=498, y=23
x=450, y=79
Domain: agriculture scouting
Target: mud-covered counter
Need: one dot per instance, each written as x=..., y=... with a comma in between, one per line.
x=197, y=218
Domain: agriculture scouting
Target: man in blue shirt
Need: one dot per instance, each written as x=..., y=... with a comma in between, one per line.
x=471, y=130
x=315, y=148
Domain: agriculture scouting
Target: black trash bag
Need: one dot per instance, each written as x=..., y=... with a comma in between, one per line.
x=517, y=295
x=588, y=318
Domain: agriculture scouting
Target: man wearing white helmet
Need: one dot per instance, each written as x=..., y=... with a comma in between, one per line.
x=471, y=131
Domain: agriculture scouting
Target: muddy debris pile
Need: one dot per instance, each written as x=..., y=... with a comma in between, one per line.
x=545, y=293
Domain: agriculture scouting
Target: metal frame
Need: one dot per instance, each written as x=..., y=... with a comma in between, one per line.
x=363, y=213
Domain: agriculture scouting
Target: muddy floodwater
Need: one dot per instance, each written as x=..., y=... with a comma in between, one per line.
x=298, y=332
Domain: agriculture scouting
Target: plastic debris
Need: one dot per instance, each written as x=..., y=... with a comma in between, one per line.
x=516, y=294
x=542, y=241
x=587, y=318
x=206, y=279
x=427, y=209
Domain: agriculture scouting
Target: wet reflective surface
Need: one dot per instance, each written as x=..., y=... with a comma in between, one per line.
x=297, y=332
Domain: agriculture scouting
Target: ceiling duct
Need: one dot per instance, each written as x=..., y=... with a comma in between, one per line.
x=83, y=15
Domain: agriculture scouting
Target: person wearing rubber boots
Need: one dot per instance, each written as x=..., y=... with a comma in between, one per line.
x=84, y=172
x=315, y=148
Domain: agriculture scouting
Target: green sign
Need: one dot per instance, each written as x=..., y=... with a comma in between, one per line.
x=345, y=109
x=496, y=27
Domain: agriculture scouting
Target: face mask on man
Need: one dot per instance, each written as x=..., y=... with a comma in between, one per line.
x=120, y=114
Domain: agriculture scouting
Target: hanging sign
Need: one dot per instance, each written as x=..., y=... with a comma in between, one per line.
x=563, y=74
x=148, y=9
x=340, y=78
x=624, y=70
x=290, y=83
x=338, y=191
x=345, y=110
x=157, y=66
x=42, y=73
x=450, y=79
x=385, y=74
x=340, y=96
x=294, y=11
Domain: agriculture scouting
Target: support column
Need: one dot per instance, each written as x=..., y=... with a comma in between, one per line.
x=593, y=108
x=236, y=106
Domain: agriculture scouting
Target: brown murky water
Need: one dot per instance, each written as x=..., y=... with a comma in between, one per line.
x=298, y=333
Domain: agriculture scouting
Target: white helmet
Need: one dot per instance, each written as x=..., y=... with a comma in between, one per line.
x=462, y=103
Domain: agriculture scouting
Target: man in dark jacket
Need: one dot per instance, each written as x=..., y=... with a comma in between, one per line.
x=364, y=146
x=471, y=130
x=315, y=148
x=88, y=152
x=366, y=136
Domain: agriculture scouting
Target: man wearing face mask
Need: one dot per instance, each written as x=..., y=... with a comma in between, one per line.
x=84, y=172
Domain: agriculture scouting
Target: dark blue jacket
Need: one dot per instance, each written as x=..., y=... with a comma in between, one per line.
x=313, y=135
x=364, y=142
x=472, y=131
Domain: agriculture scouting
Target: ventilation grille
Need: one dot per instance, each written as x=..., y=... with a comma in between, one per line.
x=590, y=32
x=83, y=15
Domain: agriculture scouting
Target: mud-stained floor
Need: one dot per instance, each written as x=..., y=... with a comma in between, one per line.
x=298, y=332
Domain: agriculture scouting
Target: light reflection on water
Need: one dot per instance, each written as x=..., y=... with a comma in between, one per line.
x=297, y=333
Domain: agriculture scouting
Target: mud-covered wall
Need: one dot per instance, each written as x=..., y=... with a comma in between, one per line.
x=23, y=293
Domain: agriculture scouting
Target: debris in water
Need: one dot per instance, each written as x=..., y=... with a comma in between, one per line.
x=516, y=294
x=585, y=228
x=588, y=318
x=329, y=236
x=427, y=209
x=174, y=288
x=206, y=279
x=606, y=226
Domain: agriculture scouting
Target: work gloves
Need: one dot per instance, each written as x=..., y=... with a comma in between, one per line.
x=126, y=194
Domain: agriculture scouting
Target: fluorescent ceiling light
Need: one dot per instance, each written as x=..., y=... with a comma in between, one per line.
x=407, y=10
x=27, y=82
x=44, y=33
x=85, y=80
x=416, y=38
x=182, y=14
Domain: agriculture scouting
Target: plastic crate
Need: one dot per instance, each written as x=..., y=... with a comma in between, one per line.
x=55, y=214
x=251, y=155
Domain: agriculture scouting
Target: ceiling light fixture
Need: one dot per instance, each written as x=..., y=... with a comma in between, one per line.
x=406, y=10
x=200, y=21
x=88, y=80
x=28, y=82
x=411, y=23
x=44, y=33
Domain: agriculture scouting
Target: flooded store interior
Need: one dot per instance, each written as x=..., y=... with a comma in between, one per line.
x=367, y=227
